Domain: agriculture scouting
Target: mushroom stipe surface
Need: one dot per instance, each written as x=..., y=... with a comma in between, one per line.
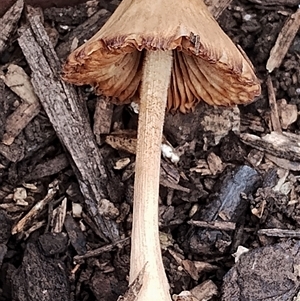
x=162, y=54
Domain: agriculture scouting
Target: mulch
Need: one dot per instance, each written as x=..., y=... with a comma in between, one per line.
x=229, y=209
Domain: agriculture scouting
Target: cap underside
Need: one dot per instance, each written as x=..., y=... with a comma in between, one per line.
x=206, y=66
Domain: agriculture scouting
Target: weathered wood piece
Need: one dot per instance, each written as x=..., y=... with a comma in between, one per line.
x=75, y=234
x=276, y=2
x=284, y=163
x=273, y=106
x=48, y=168
x=284, y=40
x=65, y=111
x=8, y=23
x=218, y=225
x=279, y=233
x=283, y=145
x=36, y=210
x=266, y=273
x=226, y=205
x=216, y=7
x=101, y=250
x=19, y=82
x=102, y=117
x=82, y=32
x=40, y=278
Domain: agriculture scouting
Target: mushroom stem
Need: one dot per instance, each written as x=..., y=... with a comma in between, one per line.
x=145, y=245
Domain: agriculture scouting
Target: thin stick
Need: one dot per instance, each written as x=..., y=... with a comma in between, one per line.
x=145, y=235
x=273, y=106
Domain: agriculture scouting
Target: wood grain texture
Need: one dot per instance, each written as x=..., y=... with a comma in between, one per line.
x=6, y=4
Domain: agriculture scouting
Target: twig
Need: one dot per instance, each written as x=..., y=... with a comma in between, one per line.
x=273, y=106
x=219, y=225
x=279, y=233
x=101, y=250
x=36, y=209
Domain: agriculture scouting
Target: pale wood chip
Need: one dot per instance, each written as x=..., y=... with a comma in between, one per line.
x=19, y=82
x=283, y=145
x=216, y=7
x=8, y=23
x=36, y=210
x=273, y=106
x=284, y=40
x=102, y=117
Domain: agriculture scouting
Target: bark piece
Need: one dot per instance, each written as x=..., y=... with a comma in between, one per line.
x=83, y=31
x=64, y=109
x=76, y=236
x=279, y=233
x=216, y=7
x=273, y=106
x=5, y=229
x=284, y=40
x=101, y=250
x=19, y=82
x=58, y=216
x=53, y=243
x=102, y=117
x=276, y=2
x=205, y=291
x=283, y=145
x=8, y=23
x=40, y=278
x=36, y=210
x=51, y=167
x=226, y=205
x=269, y=273
x=284, y=163
x=288, y=113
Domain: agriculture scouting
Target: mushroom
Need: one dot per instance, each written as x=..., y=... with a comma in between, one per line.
x=166, y=54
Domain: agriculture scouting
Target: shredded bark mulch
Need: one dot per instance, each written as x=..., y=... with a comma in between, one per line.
x=229, y=209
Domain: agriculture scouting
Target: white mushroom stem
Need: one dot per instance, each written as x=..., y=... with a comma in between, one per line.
x=145, y=245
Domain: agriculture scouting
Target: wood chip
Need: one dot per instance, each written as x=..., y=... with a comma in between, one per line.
x=283, y=145
x=82, y=32
x=273, y=106
x=66, y=113
x=26, y=221
x=279, y=233
x=288, y=113
x=19, y=82
x=284, y=40
x=276, y=2
x=217, y=225
x=102, y=117
x=58, y=217
x=205, y=291
x=216, y=7
x=104, y=249
x=8, y=23
x=284, y=163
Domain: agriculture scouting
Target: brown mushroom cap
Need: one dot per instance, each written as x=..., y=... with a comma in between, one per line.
x=207, y=65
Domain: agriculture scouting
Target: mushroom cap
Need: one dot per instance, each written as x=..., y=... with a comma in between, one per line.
x=206, y=66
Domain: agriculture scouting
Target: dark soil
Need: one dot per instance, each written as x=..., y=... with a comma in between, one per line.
x=235, y=190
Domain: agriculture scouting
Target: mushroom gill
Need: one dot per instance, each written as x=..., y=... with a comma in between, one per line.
x=207, y=65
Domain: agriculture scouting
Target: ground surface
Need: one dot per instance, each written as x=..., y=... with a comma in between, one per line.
x=236, y=184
